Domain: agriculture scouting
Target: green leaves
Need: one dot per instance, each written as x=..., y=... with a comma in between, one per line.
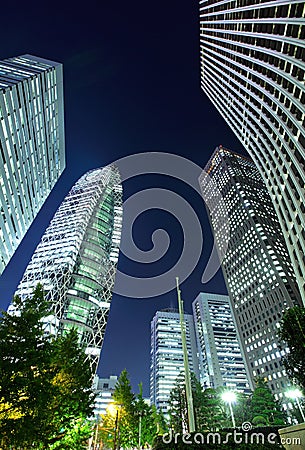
x=211, y=412
x=264, y=406
x=130, y=419
x=45, y=381
x=292, y=333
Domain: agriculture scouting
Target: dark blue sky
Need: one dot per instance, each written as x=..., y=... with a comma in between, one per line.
x=132, y=84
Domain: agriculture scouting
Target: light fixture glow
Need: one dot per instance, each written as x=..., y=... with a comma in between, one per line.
x=229, y=397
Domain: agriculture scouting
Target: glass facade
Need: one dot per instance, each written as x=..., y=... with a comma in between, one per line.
x=220, y=359
x=32, y=148
x=77, y=257
x=167, y=354
x=257, y=268
x=252, y=69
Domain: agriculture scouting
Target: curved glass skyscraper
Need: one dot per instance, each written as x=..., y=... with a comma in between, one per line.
x=77, y=257
x=252, y=69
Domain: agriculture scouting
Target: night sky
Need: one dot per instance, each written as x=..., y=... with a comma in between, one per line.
x=132, y=85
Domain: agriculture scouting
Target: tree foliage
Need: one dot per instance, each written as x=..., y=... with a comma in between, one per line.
x=209, y=412
x=125, y=401
x=121, y=425
x=292, y=333
x=178, y=416
x=45, y=381
x=264, y=406
x=212, y=413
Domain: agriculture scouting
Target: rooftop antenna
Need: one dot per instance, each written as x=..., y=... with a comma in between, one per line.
x=187, y=375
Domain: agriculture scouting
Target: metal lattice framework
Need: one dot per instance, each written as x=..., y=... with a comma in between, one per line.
x=77, y=257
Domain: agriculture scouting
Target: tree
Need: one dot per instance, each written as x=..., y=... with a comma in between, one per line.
x=264, y=407
x=242, y=409
x=126, y=418
x=208, y=411
x=159, y=421
x=178, y=407
x=45, y=381
x=215, y=415
x=198, y=401
x=118, y=426
x=150, y=421
x=71, y=380
x=292, y=333
x=25, y=383
x=130, y=418
x=75, y=437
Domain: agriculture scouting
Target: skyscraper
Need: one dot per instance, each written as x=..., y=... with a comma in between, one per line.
x=32, y=147
x=167, y=354
x=220, y=360
x=256, y=265
x=77, y=257
x=252, y=69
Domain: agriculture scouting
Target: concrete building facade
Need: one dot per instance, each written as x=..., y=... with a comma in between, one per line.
x=220, y=359
x=167, y=354
x=32, y=145
x=252, y=69
x=256, y=264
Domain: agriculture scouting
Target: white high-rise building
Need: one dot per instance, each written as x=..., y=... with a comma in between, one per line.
x=32, y=147
x=167, y=354
x=77, y=257
x=220, y=359
x=104, y=389
x=252, y=69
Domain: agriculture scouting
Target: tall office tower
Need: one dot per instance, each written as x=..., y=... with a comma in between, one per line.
x=256, y=265
x=167, y=354
x=77, y=257
x=32, y=147
x=220, y=360
x=252, y=69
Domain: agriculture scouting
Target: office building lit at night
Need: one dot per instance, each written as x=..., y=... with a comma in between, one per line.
x=167, y=354
x=32, y=147
x=252, y=69
x=220, y=359
x=77, y=257
x=257, y=268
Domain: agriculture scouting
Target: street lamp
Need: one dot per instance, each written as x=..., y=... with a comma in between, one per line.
x=140, y=429
x=96, y=433
x=230, y=397
x=295, y=394
x=113, y=410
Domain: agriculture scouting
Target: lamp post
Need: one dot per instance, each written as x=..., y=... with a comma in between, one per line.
x=140, y=428
x=113, y=410
x=187, y=374
x=96, y=433
x=230, y=397
x=115, y=430
x=295, y=394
